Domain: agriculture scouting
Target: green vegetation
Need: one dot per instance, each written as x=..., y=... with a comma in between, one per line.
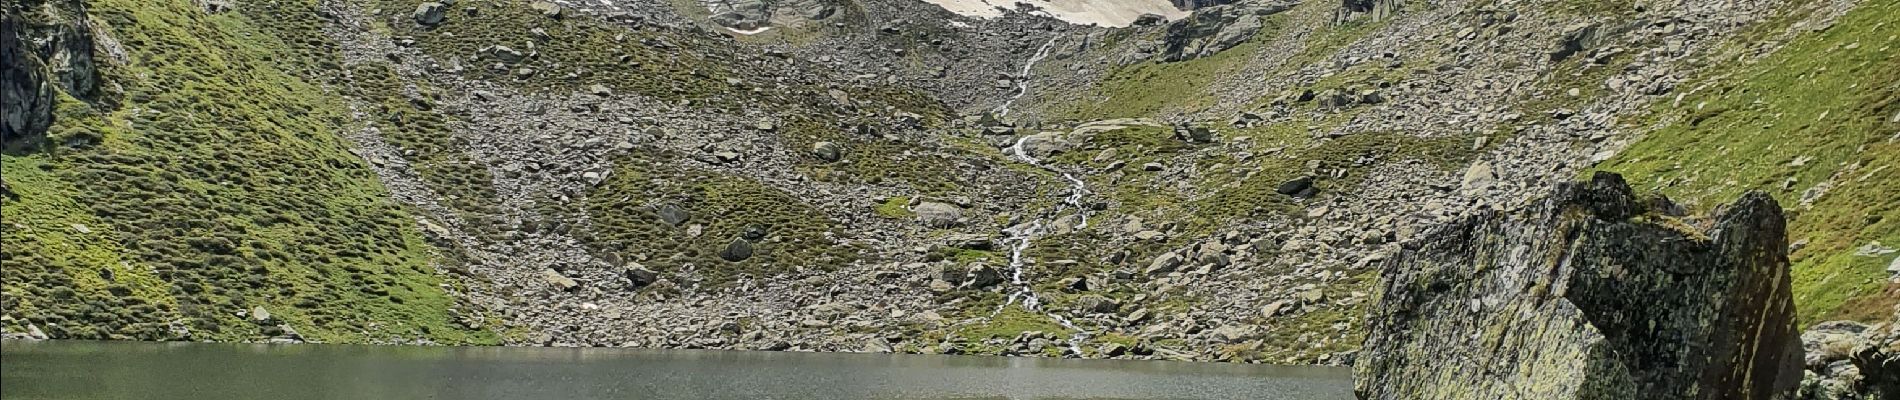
x=1294, y=338
x=217, y=183
x=442, y=160
x=1005, y=327
x=624, y=219
x=960, y=256
x=1813, y=125
x=895, y=207
x=1152, y=88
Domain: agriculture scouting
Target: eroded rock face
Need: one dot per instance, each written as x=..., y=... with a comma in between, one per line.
x=26, y=98
x=1589, y=294
x=1375, y=10
x=47, y=46
x=1213, y=29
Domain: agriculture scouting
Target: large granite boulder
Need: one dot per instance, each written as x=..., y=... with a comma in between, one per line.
x=1589, y=294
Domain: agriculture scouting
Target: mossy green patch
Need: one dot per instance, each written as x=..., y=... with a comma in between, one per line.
x=894, y=207
x=1004, y=327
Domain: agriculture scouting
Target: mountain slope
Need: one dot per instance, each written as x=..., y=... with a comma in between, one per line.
x=884, y=175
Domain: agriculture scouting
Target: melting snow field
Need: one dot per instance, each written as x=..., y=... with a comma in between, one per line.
x=1082, y=12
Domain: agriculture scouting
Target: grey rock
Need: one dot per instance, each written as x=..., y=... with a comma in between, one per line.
x=673, y=214
x=51, y=50
x=430, y=13
x=547, y=9
x=737, y=250
x=1214, y=29
x=1627, y=308
x=1232, y=333
x=1298, y=187
x=1193, y=133
x=982, y=276
x=1165, y=263
x=952, y=274
x=827, y=151
x=639, y=275
x=1373, y=10
x=970, y=241
x=1097, y=304
x=939, y=215
x=557, y=281
x=1478, y=177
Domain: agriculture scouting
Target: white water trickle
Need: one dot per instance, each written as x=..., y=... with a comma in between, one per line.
x=1021, y=235
x=1022, y=83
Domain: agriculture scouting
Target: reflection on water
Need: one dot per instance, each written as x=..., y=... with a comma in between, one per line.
x=130, y=370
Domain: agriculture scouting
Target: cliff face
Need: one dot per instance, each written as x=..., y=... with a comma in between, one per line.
x=1592, y=293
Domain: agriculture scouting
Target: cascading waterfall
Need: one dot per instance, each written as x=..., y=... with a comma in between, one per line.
x=1021, y=235
x=1022, y=85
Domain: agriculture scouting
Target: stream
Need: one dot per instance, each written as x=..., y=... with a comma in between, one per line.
x=1022, y=85
x=1022, y=235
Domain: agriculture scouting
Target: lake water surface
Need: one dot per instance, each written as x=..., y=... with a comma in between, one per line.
x=134, y=370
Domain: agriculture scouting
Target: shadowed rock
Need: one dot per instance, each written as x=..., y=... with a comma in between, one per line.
x=47, y=46
x=1589, y=294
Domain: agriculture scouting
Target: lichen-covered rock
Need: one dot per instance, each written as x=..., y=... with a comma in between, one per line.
x=1589, y=294
x=26, y=98
x=46, y=46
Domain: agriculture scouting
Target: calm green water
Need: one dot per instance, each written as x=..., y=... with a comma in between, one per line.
x=127, y=370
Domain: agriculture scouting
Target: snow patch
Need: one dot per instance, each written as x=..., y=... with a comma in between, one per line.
x=1115, y=13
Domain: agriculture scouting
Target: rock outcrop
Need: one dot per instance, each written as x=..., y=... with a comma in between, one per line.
x=1213, y=29
x=1374, y=10
x=26, y=98
x=47, y=46
x=1848, y=360
x=1592, y=293
x=1191, y=5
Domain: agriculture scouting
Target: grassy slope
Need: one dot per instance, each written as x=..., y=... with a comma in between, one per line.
x=218, y=185
x=1827, y=99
